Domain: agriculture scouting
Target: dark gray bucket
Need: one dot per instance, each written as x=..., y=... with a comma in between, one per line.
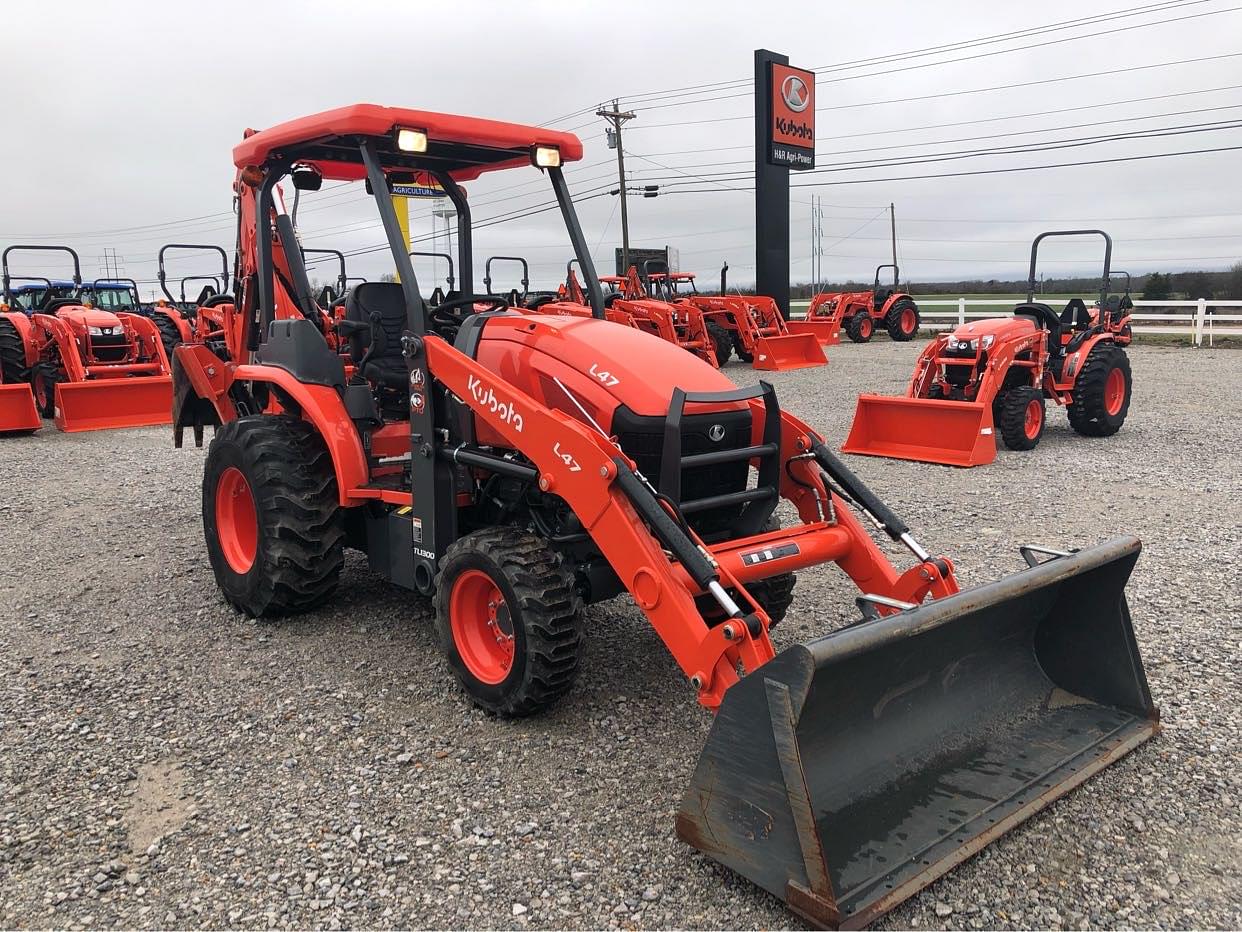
x=853, y=770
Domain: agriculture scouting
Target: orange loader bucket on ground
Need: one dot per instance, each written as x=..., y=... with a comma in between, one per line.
x=826, y=332
x=853, y=770
x=17, y=409
x=102, y=404
x=929, y=430
x=795, y=351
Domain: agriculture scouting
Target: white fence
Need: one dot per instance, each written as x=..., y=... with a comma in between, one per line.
x=1207, y=319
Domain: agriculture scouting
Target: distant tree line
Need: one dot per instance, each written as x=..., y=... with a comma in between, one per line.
x=1156, y=286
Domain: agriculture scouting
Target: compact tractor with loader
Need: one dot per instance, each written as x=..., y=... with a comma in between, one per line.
x=994, y=376
x=89, y=368
x=750, y=325
x=861, y=312
x=516, y=467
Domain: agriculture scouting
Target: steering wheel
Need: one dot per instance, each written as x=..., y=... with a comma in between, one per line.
x=449, y=312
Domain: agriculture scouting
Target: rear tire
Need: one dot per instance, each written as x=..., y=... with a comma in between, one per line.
x=902, y=320
x=508, y=617
x=1022, y=417
x=13, y=368
x=722, y=341
x=273, y=523
x=1101, y=392
x=170, y=335
x=859, y=327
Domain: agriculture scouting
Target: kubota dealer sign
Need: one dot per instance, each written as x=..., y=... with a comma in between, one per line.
x=791, y=136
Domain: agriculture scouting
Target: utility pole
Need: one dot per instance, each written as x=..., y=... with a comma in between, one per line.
x=892, y=219
x=616, y=118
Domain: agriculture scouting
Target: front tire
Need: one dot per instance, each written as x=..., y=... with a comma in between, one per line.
x=902, y=320
x=271, y=516
x=1101, y=392
x=508, y=617
x=859, y=327
x=1022, y=415
x=13, y=368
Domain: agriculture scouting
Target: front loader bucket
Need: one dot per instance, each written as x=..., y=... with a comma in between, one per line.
x=930, y=430
x=853, y=770
x=17, y=409
x=795, y=351
x=100, y=404
x=826, y=332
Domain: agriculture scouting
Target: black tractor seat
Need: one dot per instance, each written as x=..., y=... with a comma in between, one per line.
x=378, y=315
x=1076, y=315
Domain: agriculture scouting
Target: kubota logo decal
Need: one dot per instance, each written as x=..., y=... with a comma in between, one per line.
x=795, y=93
x=487, y=399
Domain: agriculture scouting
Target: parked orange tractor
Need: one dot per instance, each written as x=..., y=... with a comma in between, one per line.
x=517, y=467
x=859, y=313
x=89, y=368
x=200, y=319
x=750, y=325
x=993, y=376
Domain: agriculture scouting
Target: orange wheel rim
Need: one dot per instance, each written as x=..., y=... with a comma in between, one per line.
x=865, y=328
x=481, y=626
x=1034, y=419
x=237, y=522
x=1114, y=392
x=907, y=321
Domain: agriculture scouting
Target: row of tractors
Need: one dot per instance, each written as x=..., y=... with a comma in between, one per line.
x=91, y=355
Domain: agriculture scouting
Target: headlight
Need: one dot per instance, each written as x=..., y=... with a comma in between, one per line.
x=103, y=331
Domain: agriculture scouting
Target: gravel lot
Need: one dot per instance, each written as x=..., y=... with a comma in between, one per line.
x=167, y=762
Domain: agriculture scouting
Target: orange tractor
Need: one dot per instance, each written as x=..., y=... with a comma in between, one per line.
x=200, y=319
x=750, y=325
x=89, y=368
x=994, y=376
x=518, y=467
x=861, y=312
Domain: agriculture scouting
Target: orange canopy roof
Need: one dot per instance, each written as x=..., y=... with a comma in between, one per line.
x=465, y=147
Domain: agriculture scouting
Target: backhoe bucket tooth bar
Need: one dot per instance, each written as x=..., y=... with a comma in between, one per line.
x=102, y=404
x=794, y=351
x=17, y=409
x=928, y=430
x=826, y=332
x=853, y=770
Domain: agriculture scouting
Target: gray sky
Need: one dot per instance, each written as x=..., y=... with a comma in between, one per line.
x=122, y=116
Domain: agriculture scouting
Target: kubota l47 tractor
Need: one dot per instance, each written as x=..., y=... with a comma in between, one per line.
x=518, y=467
x=992, y=376
x=861, y=312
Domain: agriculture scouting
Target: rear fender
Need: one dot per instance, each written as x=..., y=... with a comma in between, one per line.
x=323, y=408
x=179, y=321
x=1075, y=361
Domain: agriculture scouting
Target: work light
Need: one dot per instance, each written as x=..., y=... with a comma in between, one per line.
x=411, y=140
x=545, y=156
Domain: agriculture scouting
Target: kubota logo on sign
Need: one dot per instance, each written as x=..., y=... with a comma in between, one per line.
x=793, y=117
x=795, y=93
x=487, y=399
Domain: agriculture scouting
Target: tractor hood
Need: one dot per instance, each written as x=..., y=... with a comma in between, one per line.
x=995, y=327
x=90, y=317
x=602, y=364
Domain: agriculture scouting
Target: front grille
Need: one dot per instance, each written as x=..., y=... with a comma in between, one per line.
x=110, y=348
x=642, y=439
